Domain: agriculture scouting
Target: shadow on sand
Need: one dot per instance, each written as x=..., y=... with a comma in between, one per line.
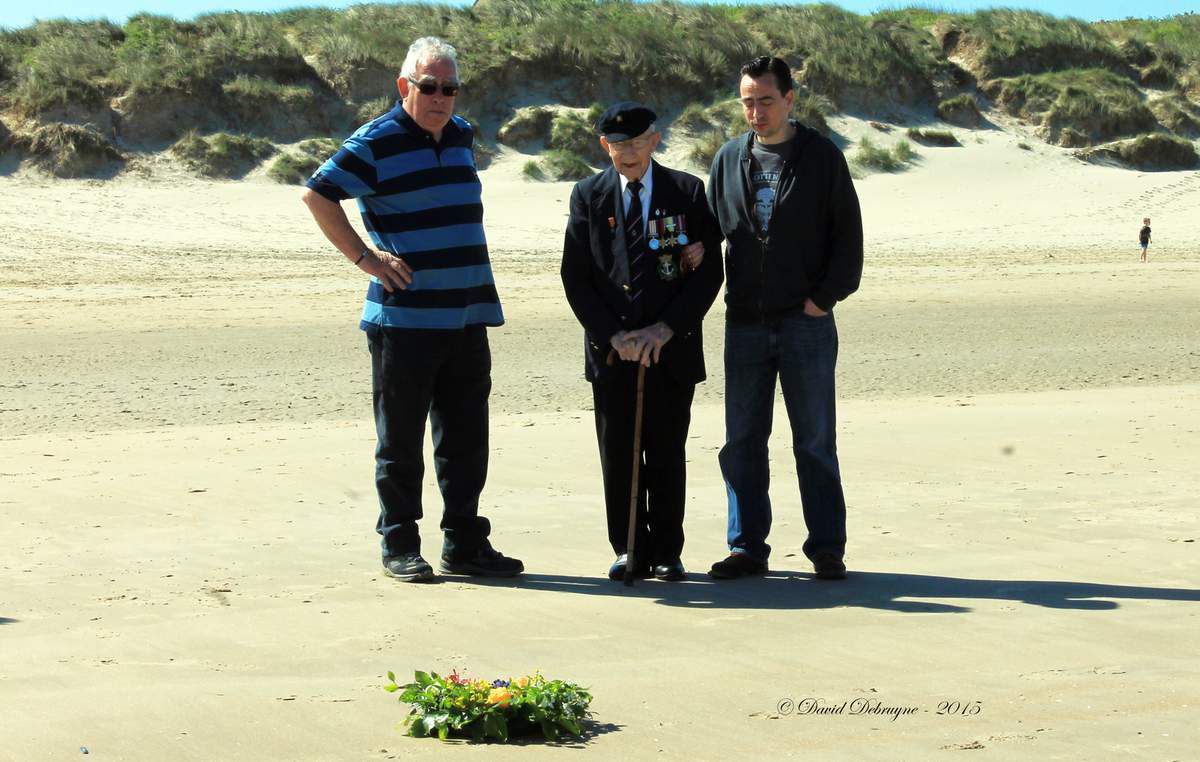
x=908, y=593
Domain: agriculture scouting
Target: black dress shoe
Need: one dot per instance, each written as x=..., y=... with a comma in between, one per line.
x=828, y=566
x=672, y=571
x=616, y=572
x=487, y=562
x=409, y=567
x=737, y=565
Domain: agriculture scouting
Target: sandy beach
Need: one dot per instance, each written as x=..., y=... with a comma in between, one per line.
x=190, y=569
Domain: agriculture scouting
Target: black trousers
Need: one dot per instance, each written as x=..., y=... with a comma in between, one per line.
x=666, y=414
x=445, y=377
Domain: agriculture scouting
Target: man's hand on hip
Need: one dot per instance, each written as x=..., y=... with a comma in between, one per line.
x=392, y=271
x=812, y=310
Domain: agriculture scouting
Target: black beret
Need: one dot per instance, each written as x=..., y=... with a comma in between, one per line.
x=624, y=120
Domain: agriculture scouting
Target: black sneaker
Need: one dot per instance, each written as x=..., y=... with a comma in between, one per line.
x=409, y=567
x=737, y=565
x=487, y=562
x=828, y=566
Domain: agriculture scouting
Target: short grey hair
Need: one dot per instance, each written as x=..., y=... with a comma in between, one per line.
x=425, y=50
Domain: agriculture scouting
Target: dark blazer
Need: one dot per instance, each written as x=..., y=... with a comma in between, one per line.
x=595, y=270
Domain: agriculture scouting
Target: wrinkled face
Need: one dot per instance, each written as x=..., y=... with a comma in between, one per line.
x=766, y=108
x=430, y=112
x=632, y=157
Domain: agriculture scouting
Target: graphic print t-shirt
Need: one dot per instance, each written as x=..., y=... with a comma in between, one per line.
x=766, y=162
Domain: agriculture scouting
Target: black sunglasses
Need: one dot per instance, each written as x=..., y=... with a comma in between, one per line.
x=429, y=88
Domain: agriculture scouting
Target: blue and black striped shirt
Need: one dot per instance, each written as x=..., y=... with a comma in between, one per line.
x=422, y=201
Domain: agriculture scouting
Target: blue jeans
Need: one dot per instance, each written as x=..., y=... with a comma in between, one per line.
x=801, y=351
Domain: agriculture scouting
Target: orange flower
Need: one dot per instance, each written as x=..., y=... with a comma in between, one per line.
x=499, y=696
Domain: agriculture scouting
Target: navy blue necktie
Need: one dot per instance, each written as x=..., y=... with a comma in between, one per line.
x=640, y=261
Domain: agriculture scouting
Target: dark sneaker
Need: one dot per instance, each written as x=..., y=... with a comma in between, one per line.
x=828, y=566
x=672, y=571
x=487, y=562
x=616, y=572
x=409, y=567
x=737, y=565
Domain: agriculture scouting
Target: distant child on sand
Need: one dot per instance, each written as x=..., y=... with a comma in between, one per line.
x=1144, y=236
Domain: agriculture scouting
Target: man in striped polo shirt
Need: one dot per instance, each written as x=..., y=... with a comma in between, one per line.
x=430, y=300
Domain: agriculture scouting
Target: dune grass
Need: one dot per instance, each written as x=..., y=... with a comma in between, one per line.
x=870, y=157
x=222, y=155
x=295, y=166
x=1020, y=42
x=932, y=137
x=1094, y=103
x=558, y=164
x=69, y=150
x=961, y=110
x=326, y=67
x=573, y=132
x=1159, y=151
x=527, y=125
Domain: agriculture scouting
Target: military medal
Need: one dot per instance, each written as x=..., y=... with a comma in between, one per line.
x=652, y=234
x=669, y=224
x=682, y=237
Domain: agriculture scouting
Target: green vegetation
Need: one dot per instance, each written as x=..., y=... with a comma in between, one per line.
x=933, y=137
x=713, y=127
x=810, y=110
x=704, y=150
x=222, y=155
x=528, y=125
x=961, y=110
x=1155, y=151
x=1003, y=43
x=295, y=166
x=309, y=72
x=1178, y=114
x=532, y=171
x=68, y=150
x=558, y=164
x=1092, y=105
x=374, y=107
x=571, y=131
x=870, y=157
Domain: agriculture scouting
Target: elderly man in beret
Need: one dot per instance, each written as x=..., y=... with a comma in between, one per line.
x=637, y=279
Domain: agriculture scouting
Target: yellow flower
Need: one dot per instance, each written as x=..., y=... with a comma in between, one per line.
x=521, y=682
x=499, y=696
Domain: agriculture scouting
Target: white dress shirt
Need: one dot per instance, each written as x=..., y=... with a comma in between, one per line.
x=627, y=197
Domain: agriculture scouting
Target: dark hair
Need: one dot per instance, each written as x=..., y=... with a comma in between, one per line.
x=777, y=66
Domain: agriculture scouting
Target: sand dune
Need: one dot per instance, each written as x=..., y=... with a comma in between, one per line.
x=190, y=566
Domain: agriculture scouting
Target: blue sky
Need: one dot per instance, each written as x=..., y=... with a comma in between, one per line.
x=18, y=14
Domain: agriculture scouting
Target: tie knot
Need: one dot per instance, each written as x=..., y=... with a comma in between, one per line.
x=635, y=187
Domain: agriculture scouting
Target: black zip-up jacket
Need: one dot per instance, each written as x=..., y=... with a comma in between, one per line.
x=815, y=246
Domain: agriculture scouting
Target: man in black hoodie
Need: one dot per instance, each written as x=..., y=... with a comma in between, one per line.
x=786, y=205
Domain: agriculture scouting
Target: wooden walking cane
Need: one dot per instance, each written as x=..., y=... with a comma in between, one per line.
x=637, y=462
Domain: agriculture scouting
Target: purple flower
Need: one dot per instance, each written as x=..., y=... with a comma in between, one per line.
x=499, y=683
